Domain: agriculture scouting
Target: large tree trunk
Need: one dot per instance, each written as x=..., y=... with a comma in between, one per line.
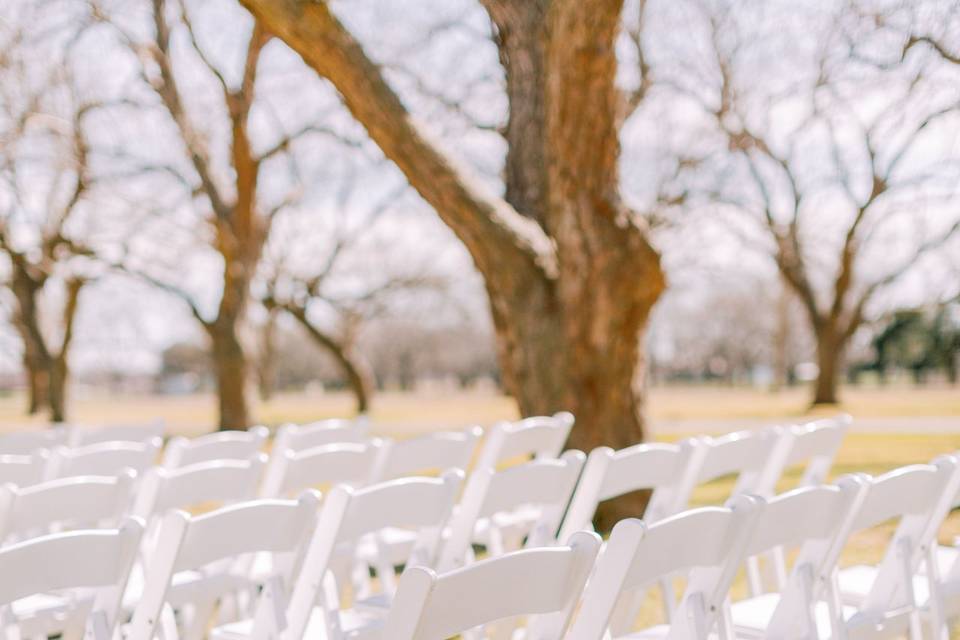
x=569, y=271
x=37, y=382
x=230, y=367
x=829, y=352
x=57, y=399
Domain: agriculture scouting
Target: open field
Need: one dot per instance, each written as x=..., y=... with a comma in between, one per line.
x=671, y=410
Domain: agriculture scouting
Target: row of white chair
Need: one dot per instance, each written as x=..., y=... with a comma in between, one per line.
x=546, y=589
x=539, y=491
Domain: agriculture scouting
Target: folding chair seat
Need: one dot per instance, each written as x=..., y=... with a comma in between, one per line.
x=348, y=520
x=609, y=474
x=431, y=453
x=77, y=502
x=222, y=445
x=84, y=435
x=24, y=469
x=517, y=507
x=538, y=586
x=706, y=546
x=535, y=437
x=104, y=458
x=26, y=441
x=295, y=438
x=292, y=471
x=86, y=569
x=201, y=561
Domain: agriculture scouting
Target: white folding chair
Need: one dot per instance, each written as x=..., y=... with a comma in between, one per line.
x=104, y=458
x=83, y=435
x=813, y=445
x=813, y=520
x=350, y=519
x=222, y=445
x=23, y=470
x=295, y=438
x=743, y=454
x=63, y=504
x=89, y=569
x=886, y=600
x=541, y=585
x=25, y=442
x=199, y=561
x=430, y=453
x=519, y=506
x=704, y=545
x=609, y=474
x=537, y=437
x=351, y=464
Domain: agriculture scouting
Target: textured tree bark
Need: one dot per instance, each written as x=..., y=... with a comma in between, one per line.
x=830, y=346
x=568, y=269
x=57, y=398
x=230, y=367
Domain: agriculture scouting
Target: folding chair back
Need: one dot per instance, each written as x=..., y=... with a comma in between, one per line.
x=216, y=544
x=104, y=458
x=24, y=470
x=351, y=464
x=293, y=437
x=219, y=481
x=82, y=436
x=430, y=453
x=813, y=445
x=706, y=545
x=64, y=504
x=543, y=585
x=919, y=496
x=24, y=442
x=744, y=454
x=812, y=520
x=521, y=505
x=97, y=561
x=222, y=445
x=609, y=474
x=347, y=517
x=536, y=437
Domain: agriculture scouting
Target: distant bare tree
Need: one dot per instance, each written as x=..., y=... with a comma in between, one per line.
x=314, y=294
x=44, y=179
x=223, y=174
x=832, y=168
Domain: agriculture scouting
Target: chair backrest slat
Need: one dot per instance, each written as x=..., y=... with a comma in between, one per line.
x=98, y=560
x=609, y=474
x=65, y=503
x=537, y=436
x=104, y=458
x=293, y=437
x=433, y=452
x=543, y=584
x=82, y=435
x=25, y=442
x=352, y=464
x=222, y=445
x=24, y=469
